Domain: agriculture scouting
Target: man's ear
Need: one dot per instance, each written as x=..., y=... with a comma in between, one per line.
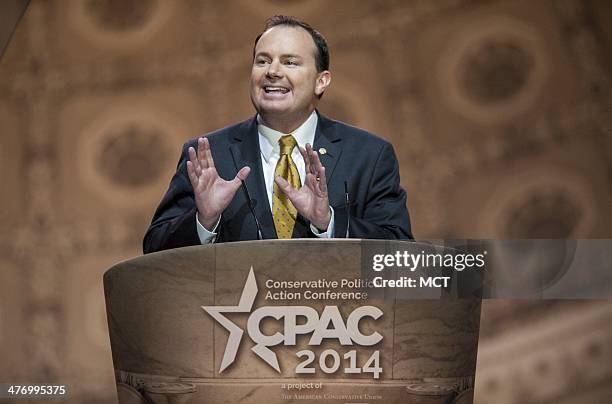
x=323, y=81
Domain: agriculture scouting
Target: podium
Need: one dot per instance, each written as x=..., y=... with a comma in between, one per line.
x=263, y=321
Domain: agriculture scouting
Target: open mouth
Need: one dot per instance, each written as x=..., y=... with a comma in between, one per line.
x=275, y=90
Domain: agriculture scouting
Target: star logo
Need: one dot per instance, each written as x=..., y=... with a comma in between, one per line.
x=244, y=306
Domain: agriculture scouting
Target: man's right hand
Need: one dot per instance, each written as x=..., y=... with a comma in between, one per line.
x=212, y=193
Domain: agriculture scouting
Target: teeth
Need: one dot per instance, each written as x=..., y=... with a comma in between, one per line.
x=281, y=89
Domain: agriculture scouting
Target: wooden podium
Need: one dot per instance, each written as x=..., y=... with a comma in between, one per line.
x=168, y=348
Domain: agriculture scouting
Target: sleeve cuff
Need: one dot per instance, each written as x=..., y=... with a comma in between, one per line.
x=206, y=236
x=329, y=232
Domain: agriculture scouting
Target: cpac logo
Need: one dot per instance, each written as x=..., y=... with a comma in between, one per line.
x=346, y=333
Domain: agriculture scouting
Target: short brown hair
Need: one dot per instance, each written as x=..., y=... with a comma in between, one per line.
x=322, y=51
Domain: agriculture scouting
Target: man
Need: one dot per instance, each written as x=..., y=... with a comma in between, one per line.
x=288, y=172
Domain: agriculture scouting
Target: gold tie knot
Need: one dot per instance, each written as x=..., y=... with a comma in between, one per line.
x=287, y=143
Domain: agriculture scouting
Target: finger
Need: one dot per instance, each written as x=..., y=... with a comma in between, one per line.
x=285, y=187
x=242, y=175
x=306, y=159
x=208, y=154
x=322, y=182
x=202, y=153
x=192, y=156
x=310, y=158
x=193, y=178
x=316, y=161
x=194, y=161
x=311, y=181
x=319, y=170
x=318, y=167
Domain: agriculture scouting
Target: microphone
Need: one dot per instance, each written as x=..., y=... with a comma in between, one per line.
x=347, y=205
x=252, y=209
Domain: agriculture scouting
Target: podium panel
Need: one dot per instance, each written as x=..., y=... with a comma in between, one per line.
x=283, y=321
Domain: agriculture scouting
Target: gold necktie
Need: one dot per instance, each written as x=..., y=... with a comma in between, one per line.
x=282, y=209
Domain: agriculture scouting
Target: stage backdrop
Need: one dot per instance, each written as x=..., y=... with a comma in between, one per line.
x=499, y=112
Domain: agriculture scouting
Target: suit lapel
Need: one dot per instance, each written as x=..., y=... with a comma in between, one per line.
x=326, y=144
x=245, y=152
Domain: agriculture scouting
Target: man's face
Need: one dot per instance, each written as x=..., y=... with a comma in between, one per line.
x=284, y=78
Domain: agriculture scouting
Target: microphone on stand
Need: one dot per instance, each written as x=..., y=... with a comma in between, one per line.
x=252, y=209
x=347, y=205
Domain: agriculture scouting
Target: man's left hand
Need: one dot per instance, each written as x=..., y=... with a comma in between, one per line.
x=311, y=200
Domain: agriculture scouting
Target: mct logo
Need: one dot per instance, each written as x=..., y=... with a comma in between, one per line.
x=329, y=325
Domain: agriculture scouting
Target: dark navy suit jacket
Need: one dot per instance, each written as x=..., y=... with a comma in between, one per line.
x=366, y=162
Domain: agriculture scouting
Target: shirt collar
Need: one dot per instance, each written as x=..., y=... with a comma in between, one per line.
x=268, y=137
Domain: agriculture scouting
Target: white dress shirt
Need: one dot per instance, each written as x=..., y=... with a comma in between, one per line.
x=270, y=153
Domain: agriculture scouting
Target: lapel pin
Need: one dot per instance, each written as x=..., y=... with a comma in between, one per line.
x=322, y=151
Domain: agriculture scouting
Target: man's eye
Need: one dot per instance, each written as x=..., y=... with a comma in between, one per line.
x=261, y=61
x=291, y=63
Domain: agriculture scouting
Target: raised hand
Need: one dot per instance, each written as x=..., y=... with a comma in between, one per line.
x=212, y=193
x=311, y=200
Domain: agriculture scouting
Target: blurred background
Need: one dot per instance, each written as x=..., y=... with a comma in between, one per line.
x=499, y=111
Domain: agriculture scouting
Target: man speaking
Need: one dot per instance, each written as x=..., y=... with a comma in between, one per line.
x=288, y=172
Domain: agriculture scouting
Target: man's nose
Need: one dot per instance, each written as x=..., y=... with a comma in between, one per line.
x=274, y=69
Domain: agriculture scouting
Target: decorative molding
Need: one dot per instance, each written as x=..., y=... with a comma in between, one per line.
x=122, y=25
x=535, y=193
x=37, y=252
x=122, y=140
x=494, y=70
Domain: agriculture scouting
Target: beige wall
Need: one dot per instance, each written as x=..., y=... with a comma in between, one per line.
x=499, y=112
